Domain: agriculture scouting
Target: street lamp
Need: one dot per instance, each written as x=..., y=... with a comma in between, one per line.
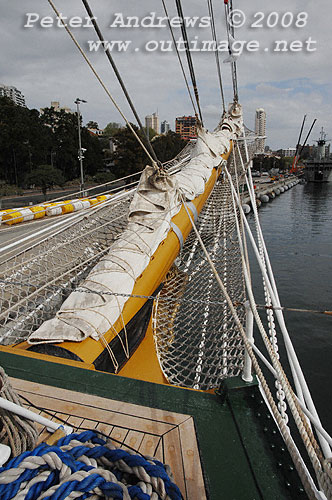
x=80, y=149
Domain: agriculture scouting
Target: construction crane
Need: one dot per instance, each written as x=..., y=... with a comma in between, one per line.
x=298, y=151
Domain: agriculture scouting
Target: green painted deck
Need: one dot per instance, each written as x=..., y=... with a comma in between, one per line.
x=242, y=455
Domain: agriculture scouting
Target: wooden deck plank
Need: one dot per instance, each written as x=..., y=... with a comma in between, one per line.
x=75, y=422
x=102, y=403
x=151, y=432
x=173, y=457
x=105, y=428
x=89, y=424
x=149, y=445
x=133, y=440
x=159, y=451
x=119, y=434
x=190, y=454
x=102, y=415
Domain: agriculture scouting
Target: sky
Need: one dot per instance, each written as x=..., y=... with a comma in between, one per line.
x=39, y=58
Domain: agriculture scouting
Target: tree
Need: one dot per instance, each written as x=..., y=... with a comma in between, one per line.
x=151, y=131
x=45, y=177
x=168, y=146
x=103, y=177
x=93, y=156
x=64, y=146
x=92, y=124
x=111, y=129
x=64, y=149
x=129, y=156
x=24, y=141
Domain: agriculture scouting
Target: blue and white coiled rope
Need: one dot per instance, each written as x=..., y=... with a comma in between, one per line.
x=85, y=466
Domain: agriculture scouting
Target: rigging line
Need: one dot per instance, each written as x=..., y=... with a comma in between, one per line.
x=115, y=69
x=189, y=58
x=170, y=299
x=284, y=430
x=233, y=63
x=179, y=58
x=214, y=35
x=154, y=163
x=275, y=301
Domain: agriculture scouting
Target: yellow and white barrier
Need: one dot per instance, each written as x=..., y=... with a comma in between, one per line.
x=17, y=215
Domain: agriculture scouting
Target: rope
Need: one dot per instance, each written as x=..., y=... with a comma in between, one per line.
x=228, y=8
x=300, y=420
x=86, y=466
x=189, y=58
x=18, y=433
x=115, y=69
x=102, y=83
x=165, y=298
x=214, y=35
x=300, y=382
x=270, y=316
x=293, y=404
x=179, y=58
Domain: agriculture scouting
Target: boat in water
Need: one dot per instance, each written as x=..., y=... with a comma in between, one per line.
x=319, y=169
x=131, y=323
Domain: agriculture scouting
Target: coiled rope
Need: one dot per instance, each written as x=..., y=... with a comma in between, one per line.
x=86, y=466
x=18, y=433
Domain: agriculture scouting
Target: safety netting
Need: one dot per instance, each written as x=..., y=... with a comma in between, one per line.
x=35, y=282
x=197, y=341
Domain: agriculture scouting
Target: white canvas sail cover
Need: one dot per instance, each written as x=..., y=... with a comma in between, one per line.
x=156, y=201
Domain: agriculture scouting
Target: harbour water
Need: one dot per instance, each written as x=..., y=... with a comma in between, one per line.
x=297, y=227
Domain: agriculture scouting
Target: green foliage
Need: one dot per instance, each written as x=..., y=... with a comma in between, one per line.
x=129, y=156
x=93, y=156
x=45, y=177
x=103, y=177
x=111, y=129
x=28, y=140
x=64, y=137
x=288, y=161
x=266, y=163
x=24, y=141
x=9, y=190
x=152, y=133
x=92, y=124
x=168, y=146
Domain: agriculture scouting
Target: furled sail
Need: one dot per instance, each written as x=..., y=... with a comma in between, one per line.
x=157, y=200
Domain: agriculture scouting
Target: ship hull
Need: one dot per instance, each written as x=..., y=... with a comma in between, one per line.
x=318, y=172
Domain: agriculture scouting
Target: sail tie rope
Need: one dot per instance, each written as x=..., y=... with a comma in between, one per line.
x=86, y=466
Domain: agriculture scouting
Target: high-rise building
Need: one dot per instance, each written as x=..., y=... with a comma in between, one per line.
x=185, y=126
x=164, y=127
x=152, y=121
x=260, y=129
x=12, y=93
x=56, y=106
